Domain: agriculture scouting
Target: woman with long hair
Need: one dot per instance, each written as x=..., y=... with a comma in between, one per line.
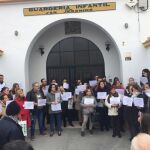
x=101, y=108
x=24, y=113
x=53, y=100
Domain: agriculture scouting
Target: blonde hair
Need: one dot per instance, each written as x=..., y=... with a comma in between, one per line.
x=17, y=93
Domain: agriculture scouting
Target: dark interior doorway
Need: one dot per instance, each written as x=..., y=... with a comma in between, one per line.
x=74, y=58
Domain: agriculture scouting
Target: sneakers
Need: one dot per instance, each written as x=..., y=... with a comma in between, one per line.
x=82, y=133
x=114, y=135
x=119, y=135
x=59, y=133
x=71, y=124
x=51, y=133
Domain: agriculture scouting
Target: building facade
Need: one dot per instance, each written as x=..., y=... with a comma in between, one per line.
x=31, y=30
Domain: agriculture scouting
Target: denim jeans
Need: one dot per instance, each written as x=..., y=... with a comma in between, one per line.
x=58, y=121
x=37, y=115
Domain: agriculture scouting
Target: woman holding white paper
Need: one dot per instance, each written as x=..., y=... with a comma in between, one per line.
x=146, y=95
x=128, y=110
x=120, y=90
x=54, y=102
x=24, y=113
x=101, y=108
x=88, y=105
x=134, y=124
x=145, y=77
x=113, y=103
x=66, y=113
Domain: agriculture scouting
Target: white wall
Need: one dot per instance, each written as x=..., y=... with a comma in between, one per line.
x=14, y=63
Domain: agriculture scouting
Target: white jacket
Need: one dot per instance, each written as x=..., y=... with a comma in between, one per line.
x=112, y=111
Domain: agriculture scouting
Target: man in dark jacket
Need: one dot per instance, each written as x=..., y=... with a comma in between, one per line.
x=37, y=112
x=9, y=128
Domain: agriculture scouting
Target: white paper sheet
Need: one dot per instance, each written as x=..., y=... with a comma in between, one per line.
x=66, y=85
x=93, y=83
x=101, y=95
x=57, y=96
x=28, y=105
x=115, y=100
x=120, y=91
x=139, y=102
x=41, y=102
x=66, y=95
x=127, y=101
x=0, y=108
x=88, y=101
x=14, y=97
x=8, y=102
x=148, y=94
x=56, y=107
x=143, y=80
x=70, y=104
x=147, y=91
x=81, y=88
x=23, y=124
x=77, y=91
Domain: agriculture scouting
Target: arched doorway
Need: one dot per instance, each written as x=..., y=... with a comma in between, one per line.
x=48, y=37
x=74, y=58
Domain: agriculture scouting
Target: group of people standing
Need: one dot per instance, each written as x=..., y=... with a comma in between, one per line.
x=83, y=105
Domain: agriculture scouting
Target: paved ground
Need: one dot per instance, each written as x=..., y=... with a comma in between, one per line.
x=71, y=140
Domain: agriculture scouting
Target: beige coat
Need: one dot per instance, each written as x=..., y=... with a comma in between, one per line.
x=112, y=111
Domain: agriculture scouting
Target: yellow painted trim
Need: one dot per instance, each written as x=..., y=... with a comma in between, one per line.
x=80, y=8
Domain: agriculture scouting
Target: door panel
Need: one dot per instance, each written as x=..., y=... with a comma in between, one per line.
x=74, y=58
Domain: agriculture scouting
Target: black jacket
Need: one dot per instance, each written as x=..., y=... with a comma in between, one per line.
x=31, y=96
x=9, y=131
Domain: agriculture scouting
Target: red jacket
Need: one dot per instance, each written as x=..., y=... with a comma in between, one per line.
x=24, y=113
